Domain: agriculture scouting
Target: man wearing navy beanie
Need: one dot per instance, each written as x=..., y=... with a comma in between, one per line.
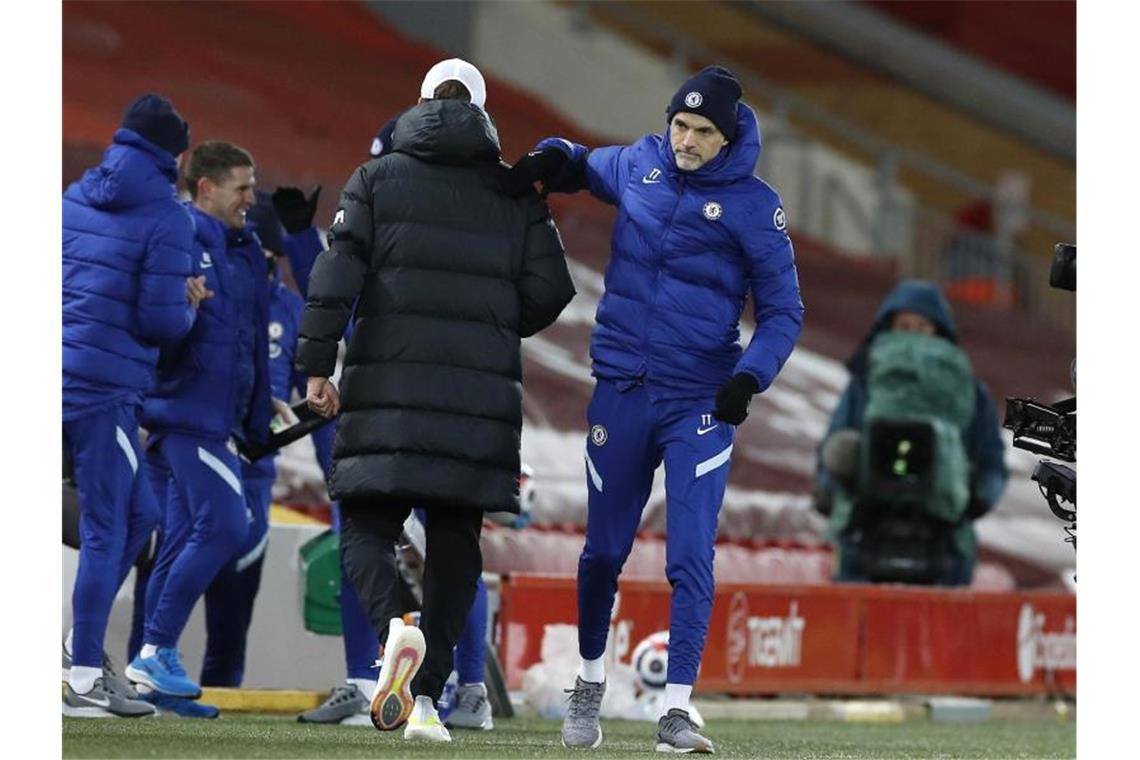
x=128, y=287
x=712, y=93
x=153, y=118
x=696, y=234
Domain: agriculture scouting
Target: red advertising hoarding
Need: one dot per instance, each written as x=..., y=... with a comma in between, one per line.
x=839, y=639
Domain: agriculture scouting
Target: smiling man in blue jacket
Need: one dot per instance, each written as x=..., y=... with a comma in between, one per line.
x=212, y=390
x=127, y=287
x=230, y=597
x=695, y=234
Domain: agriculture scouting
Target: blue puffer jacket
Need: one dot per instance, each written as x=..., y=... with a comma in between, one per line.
x=285, y=309
x=126, y=257
x=215, y=383
x=982, y=436
x=687, y=249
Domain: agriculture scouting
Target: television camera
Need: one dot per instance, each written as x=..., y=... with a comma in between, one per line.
x=1051, y=429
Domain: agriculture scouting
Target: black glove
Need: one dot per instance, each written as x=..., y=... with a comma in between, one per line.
x=733, y=398
x=536, y=166
x=294, y=209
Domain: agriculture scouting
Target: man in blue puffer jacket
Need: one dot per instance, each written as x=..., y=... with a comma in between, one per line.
x=127, y=286
x=695, y=233
x=230, y=597
x=212, y=389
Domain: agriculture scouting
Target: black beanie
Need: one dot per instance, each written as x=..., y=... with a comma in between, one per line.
x=712, y=92
x=154, y=118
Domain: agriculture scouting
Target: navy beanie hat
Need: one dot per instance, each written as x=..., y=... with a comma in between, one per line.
x=154, y=117
x=267, y=224
x=712, y=92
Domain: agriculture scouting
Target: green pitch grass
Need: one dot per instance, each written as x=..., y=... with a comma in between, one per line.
x=241, y=736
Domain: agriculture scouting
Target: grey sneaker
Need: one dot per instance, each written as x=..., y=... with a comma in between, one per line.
x=676, y=732
x=102, y=703
x=115, y=683
x=112, y=681
x=581, y=727
x=346, y=706
x=472, y=709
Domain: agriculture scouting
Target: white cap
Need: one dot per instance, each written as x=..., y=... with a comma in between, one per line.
x=459, y=70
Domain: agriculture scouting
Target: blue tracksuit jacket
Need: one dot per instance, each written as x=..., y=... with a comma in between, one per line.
x=126, y=257
x=215, y=383
x=687, y=249
x=285, y=309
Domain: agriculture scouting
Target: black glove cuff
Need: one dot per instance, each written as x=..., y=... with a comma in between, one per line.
x=746, y=382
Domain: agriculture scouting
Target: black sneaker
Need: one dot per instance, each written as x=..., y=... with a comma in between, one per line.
x=676, y=732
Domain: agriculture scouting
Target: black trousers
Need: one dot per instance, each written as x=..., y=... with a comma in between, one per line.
x=452, y=566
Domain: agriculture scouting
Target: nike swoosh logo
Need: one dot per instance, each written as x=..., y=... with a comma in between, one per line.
x=104, y=702
x=702, y=431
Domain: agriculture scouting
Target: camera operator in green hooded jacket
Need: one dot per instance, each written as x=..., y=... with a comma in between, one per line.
x=913, y=454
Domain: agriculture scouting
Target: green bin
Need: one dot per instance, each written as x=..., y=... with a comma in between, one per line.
x=320, y=584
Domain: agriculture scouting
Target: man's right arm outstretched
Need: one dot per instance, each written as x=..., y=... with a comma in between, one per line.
x=565, y=167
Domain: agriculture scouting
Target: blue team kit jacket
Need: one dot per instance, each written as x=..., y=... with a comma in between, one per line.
x=687, y=249
x=285, y=309
x=215, y=383
x=126, y=257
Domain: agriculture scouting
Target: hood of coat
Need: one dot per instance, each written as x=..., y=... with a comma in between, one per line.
x=451, y=132
x=133, y=172
x=919, y=296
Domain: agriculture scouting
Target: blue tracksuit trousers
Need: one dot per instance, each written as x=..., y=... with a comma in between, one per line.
x=230, y=597
x=117, y=515
x=629, y=436
x=158, y=475
x=471, y=649
x=206, y=523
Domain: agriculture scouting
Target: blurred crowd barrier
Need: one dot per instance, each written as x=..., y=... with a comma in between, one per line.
x=849, y=639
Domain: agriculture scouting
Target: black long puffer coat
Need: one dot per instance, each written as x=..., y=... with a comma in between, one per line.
x=447, y=274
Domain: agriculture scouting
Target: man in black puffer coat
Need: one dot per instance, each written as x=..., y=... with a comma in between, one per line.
x=447, y=273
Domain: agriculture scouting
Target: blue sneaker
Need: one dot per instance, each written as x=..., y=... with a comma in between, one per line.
x=163, y=673
x=186, y=708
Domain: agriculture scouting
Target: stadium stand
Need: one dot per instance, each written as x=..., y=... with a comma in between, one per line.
x=854, y=91
x=1021, y=38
